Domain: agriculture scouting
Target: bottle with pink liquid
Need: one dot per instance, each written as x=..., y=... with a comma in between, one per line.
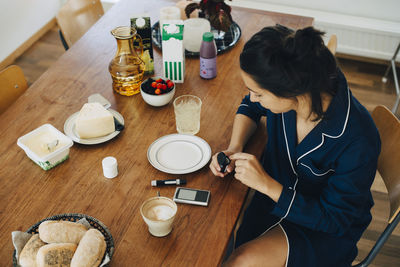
x=208, y=57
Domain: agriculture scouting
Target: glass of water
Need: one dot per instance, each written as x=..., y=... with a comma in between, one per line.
x=187, y=114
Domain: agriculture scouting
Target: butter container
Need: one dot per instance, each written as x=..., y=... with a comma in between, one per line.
x=173, y=52
x=46, y=146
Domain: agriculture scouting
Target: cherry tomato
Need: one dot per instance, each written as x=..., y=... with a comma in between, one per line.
x=170, y=84
x=159, y=80
x=157, y=91
x=164, y=87
x=154, y=84
x=159, y=85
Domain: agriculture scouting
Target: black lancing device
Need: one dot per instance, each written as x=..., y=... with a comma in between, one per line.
x=223, y=161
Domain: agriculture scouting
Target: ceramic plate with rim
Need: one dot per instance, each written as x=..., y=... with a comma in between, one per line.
x=70, y=131
x=179, y=153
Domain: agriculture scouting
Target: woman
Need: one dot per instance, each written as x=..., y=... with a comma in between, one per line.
x=313, y=199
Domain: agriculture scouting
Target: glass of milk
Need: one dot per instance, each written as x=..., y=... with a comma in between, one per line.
x=159, y=214
x=193, y=33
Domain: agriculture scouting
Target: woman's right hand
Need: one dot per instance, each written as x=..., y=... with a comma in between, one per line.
x=214, y=166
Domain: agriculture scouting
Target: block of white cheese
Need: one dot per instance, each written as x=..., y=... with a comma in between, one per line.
x=94, y=121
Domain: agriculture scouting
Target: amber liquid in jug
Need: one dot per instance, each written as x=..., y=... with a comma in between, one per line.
x=127, y=68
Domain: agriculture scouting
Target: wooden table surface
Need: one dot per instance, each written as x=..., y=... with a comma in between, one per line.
x=29, y=194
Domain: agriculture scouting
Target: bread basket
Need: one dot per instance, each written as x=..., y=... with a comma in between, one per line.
x=74, y=217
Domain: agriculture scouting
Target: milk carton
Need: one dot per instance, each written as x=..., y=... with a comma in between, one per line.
x=172, y=50
x=143, y=27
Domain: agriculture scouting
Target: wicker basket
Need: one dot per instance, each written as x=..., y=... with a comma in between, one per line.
x=74, y=217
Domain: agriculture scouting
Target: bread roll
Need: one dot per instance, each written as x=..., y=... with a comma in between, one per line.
x=27, y=258
x=56, y=254
x=90, y=250
x=61, y=232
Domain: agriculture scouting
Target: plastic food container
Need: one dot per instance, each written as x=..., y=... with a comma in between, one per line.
x=46, y=146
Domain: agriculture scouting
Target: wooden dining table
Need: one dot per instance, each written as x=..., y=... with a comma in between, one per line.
x=29, y=194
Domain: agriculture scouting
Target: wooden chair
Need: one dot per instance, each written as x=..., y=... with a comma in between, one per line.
x=388, y=166
x=12, y=85
x=76, y=17
x=332, y=44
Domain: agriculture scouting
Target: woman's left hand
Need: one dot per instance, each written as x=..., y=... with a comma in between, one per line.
x=249, y=171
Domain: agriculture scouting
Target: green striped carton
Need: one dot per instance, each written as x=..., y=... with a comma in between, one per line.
x=172, y=50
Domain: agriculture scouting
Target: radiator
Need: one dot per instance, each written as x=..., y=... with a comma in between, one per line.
x=358, y=36
x=361, y=42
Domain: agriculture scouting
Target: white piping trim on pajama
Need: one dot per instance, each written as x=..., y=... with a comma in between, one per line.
x=331, y=136
x=287, y=145
x=287, y=239
x=291, y=164
x=244, y=105
x=316, y=174
x=271, y=227
x=288, y=245
x=291, y=202
x=287, y=212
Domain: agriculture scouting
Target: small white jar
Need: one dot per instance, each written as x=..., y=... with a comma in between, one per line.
x=110, y=167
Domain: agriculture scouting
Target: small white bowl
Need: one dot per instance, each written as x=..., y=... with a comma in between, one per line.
x=40, y=146
x=157, y=100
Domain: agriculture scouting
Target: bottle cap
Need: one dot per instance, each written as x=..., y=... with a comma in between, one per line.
x=208, y=36
x=110, y=167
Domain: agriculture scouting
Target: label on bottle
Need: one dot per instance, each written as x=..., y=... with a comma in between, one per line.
x=208, y=67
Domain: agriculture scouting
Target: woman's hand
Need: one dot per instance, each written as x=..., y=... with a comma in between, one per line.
x=250, y=172
x=214, y=166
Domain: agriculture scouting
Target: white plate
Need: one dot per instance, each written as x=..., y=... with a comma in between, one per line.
x=69, y=130
x=179, y=153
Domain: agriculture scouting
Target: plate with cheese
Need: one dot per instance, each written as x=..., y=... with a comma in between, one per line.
x=93, y=124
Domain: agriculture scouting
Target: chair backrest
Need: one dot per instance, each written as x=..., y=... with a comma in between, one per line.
x=76, y=17
x=389, y=160
x=332, y=44
x=12, y=85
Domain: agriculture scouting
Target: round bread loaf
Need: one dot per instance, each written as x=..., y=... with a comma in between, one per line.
x=61, y=232
x=90, y=250
x=55, y=255
x=27, y=258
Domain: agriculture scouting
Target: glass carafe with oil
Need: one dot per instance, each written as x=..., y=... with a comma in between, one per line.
x=127, y=68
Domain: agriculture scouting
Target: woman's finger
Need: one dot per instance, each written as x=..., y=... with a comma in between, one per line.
x=239, y=169
x=241, y=156
x=241, y=162
x=230, y=167
x=216, y=165
x=238, y=177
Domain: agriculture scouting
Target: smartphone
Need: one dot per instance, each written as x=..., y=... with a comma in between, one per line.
x=192, y=196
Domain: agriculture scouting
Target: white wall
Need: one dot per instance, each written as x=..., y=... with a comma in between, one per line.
x=20, y=19
x=366, y=28
x=375, y=9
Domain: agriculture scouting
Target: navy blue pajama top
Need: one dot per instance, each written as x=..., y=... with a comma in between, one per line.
x=327, y=177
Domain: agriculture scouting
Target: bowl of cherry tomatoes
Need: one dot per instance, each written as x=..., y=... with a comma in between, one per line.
x=157, y=91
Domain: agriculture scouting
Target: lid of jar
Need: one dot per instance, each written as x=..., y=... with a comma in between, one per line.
x=208, y=36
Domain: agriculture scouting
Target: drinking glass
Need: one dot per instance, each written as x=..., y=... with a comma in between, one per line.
x=193, y=33
x=187, y=114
